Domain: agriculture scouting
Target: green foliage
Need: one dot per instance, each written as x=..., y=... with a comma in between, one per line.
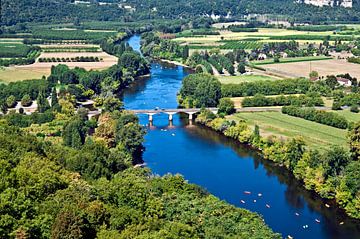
x=11, y=101
x=202, y=89
x=42, y=102
x=26, y=100
x=226, y=106
x=260, y=100
x=354, y=138
x=74, y=133
x=289, y=86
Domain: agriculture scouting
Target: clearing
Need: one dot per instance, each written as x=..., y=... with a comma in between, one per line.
x=316, y=136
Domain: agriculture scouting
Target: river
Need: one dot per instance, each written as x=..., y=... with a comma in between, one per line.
x=226, y=168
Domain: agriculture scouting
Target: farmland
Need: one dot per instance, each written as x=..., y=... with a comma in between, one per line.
x=8, y=50
x=292, y=59
x=324, y=68
x=316, y=135
x=243, y=78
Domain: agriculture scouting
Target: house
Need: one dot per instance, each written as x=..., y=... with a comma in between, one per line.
x=262, y=56
x=343, y=81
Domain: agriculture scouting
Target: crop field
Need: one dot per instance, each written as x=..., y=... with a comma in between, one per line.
x=242, y=45
x=39, y=69
x=324, y=68
x=70, y=34
x=19, y=73
x=264, y=34
x=292, y=59
x=8, y=50
x=317, y=136
x=243, y=78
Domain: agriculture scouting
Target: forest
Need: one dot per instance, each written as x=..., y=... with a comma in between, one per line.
x=15, y=12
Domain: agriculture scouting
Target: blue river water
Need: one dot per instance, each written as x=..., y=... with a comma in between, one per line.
x=226, y=168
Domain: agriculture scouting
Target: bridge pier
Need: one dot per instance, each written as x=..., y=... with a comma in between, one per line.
x=191, y=117
x=170, y=115
x=151, y=117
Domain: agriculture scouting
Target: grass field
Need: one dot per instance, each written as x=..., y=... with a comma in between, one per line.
x=243, y=78
x=292, y=59
x=18, y=73
x=350, y=116
x=317, y=136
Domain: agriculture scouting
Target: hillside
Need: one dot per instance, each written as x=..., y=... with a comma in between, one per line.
x=13, y=12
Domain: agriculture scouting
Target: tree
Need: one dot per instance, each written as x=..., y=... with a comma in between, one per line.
x=74, y=133
x=111, y=104
x=43, y=103
x=314, y=75
x=226, y=106
x=185, y=52
x=241, y=68
x=331, y=81
x=26, y=100
x=11, y=101
x=354, y=109
x=354, y=141
x=54, y=98
x=335, y=160
x=202, y=89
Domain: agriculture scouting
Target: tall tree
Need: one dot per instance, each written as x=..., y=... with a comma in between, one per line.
x=43, y=103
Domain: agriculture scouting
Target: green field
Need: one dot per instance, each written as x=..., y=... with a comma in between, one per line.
x=243, y=78
x=291, y=59
x=317, y=136
x=8, y=50
x=350, y=116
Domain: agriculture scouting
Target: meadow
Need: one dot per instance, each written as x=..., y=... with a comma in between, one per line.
x=243, y=78
x=292, y=59
x=317, y=136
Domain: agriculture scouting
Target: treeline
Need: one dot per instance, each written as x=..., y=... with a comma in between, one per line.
x=260, y=100
x=317, y=28
x=319, y=116
x=290, y=86
x=235, y=28
x=355, y=60
x=74, y=59
x=153, y=46
x=21, y=88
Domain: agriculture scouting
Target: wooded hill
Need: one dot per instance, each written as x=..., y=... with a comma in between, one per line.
x=14, y=12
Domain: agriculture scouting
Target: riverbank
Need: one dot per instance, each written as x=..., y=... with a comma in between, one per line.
x=290, y=154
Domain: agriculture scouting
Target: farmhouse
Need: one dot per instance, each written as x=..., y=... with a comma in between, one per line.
x=343, y=81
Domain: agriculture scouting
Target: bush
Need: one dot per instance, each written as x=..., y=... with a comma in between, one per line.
x=226, y=106
x=26, y=100
x=354, y=109
x=336, y=106
x=11, y=101
x=289, y=86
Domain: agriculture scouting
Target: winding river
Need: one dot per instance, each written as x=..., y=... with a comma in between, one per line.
x=226, y=168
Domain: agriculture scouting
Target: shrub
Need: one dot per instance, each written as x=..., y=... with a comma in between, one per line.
x=354, y=109
x=226, y=106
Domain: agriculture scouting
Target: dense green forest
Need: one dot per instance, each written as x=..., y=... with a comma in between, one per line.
x=14, y=12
